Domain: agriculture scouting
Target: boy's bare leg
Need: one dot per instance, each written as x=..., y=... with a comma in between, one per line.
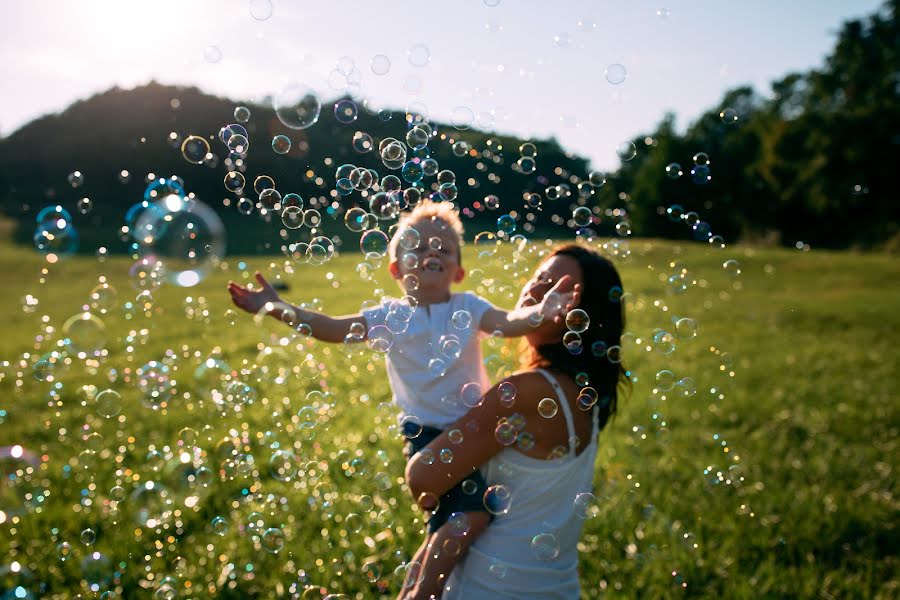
x=445, y=547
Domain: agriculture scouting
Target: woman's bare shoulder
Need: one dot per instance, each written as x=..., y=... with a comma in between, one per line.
x=530, y=383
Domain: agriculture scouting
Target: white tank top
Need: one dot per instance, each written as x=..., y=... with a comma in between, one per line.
x=532, y=551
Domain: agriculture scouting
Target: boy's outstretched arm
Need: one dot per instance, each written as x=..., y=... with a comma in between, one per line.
x=555, y=305
x=266, y=300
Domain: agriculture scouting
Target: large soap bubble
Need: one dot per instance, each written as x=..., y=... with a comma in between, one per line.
x=297, y=106
x=185, y=234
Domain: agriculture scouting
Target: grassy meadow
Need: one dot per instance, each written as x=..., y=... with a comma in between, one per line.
x=771, y=474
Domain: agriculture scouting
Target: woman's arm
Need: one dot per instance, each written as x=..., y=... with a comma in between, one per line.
x=562, y=297
x=427, y=482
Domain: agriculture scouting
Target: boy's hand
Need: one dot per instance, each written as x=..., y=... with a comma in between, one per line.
x=560, y=299
x=253, y=301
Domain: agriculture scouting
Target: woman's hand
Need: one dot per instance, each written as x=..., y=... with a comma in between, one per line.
x=560, y=299
x=253, y=301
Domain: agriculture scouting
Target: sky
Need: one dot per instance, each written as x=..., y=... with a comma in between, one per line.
x=527, y=67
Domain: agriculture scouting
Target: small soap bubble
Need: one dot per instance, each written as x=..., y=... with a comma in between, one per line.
x=615, y=74
x=194, y=149
x=732, y=267
x=241, y=114
x=582, y=216
x=273, y=540
x=586, y=505
x=665, y=380
x=281, y=144
x=548, y=408
x=219, y=526
x=626, y=150
x=578, y=320
x=471, y=394
x=88, y=537
x=729, y=116
x=673, y=171
x=505, y=433
x=497, y=499
x=545, y=546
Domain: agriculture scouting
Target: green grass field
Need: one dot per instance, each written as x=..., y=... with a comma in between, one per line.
x=775, y=479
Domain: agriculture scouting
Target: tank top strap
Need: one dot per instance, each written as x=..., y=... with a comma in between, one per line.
x=567, y=412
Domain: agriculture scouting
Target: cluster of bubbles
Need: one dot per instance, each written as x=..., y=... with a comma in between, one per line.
x=174, y=237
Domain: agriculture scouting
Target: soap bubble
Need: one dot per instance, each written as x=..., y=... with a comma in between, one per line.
x=380, y=339
x=701, y=175
x=665, y=380
x=507, y=392
x=380, y=64
x=297, y=106
x=186, y=235
x=626, y=150
x=506, y=224
x=281, y=144
x=586, y=505
x=505, y=433
x=686, y=328
x=219, y=526
x=526, y=165
x=732, y=267
x=212, y=54
x=57, y=237
x=615, y=74
x=497, y=499
x=345, y=111
x=108, y=403
x=578, y=320
x=471, y=394
x=234, y=181
x=273, y=540
x=154, y=504
x=260, y=10
x=85, y=334
x=88, y=537
x=75, y=179
x=374, y=241
x=412, y=171
x=461, y=319
x=153, y=381
x=194, y=149
x=418, y=55
x=548, y=408
x=673, y=171
x=664, y=342
x=582, y=216
x=545, y=546
x=729, y=116
x=686, y=386
x=362, y=142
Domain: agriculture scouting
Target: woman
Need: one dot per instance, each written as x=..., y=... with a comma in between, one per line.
x=537, y=449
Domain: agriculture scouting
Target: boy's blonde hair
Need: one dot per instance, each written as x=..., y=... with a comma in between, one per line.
x=429, y=210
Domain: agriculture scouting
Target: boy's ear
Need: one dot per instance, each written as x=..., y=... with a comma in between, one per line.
x=459, y=275
x=394, y=269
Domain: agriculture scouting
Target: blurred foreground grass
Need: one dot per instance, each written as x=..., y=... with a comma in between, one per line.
x=775, y=479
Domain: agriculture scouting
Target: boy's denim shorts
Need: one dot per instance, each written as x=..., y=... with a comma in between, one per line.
x=461, y=498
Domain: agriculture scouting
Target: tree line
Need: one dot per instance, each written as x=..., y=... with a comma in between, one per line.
x=812, y=162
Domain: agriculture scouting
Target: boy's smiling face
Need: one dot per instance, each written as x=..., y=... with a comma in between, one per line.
x=437, y=261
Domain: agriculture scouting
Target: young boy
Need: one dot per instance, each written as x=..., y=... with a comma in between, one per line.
x=433, y=362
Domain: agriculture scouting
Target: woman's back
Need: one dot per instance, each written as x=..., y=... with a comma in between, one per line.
x=531, y=550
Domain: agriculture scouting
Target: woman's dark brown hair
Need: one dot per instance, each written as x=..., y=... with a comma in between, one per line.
x=601, y=299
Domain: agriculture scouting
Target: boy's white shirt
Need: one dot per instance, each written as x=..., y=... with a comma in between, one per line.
x=435, y=400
